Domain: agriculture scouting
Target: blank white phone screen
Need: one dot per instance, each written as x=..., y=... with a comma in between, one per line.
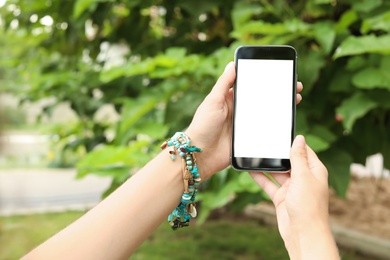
x=263, y=111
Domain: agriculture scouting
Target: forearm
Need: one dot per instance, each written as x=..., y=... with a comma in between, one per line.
x=314, y=242
x=120, y=223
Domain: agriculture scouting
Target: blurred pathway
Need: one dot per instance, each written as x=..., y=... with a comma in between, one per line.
x=27, y=191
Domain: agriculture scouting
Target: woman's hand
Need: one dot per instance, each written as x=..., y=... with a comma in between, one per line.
x=211, y=127
x=301, y=204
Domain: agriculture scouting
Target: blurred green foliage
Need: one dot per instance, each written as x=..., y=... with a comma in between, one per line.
x=173, y=52
x=228, y=238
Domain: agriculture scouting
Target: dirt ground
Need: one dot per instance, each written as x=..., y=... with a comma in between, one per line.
x=366, y=207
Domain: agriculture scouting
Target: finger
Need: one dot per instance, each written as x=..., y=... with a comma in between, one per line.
x=265, y=183
x=226, y=80
x=317, y=167
x=299, y=87
x=298, y=157
x=229, y=100
x=298, y=99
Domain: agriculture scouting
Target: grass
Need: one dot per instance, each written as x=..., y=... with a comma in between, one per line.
x=230, y=238
x=20, y=234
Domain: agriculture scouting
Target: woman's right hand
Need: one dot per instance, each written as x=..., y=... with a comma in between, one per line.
x=301, y=204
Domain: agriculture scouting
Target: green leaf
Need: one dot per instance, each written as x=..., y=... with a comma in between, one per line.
x=113, y=73
x=321, y=2
x=259, y=27
x=316, y=143
x=247, y=183
x=309, y=66
x=370, y=78
x=154, y=130
x=325, y=34
x=196, y=8
x=217, y=198
x=353, y=108
x=385, y=62
x=297, y=26
x=379, y=22
x=365, y=44
x=366, y=5
x=338, y=164
x=348, y=18
x=82, y=5
x=181, y=109
x=291, y=29
x=324, y=133
x=214, y=200
x=105, y=160
x=114, y=160
x=243, y=199
x=371, y=135
x=301, y=122
x=381, y=97
x=355, y=63
x=132, y=112
x=176, y=53
x=243, y=12
x=139, y=68
x=341, y=82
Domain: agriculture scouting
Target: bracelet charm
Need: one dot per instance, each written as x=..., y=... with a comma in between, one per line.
x=181, y=145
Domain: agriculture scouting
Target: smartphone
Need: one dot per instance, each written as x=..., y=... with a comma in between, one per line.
x=264, y=108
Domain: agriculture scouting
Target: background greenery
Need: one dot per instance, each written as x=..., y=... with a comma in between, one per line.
x=173, y=53
x=227, y=238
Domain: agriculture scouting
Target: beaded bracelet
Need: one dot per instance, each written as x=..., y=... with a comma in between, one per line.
x=181, y=144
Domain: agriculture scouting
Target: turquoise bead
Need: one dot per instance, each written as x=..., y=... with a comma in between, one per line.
x=185, y=198
x=181, y=216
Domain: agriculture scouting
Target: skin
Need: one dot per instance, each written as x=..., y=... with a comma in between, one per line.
x=211, y=127
x=116, y=227
x=301, y=202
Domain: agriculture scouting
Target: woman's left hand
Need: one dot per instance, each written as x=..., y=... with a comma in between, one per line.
x=211, y=127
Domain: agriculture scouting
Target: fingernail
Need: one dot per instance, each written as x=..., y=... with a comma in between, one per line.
x=228, y=66
x=300, y=141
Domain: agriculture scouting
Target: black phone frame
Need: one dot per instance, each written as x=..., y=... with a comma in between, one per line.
x=273, y=52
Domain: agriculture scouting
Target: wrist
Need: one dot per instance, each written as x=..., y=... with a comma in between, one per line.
x=202, y=157
x=313, y=241
x=180, y=146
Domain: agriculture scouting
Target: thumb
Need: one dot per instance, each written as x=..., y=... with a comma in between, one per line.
x=226, y=80
x=298, y=156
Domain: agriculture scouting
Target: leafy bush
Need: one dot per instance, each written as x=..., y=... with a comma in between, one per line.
x=175, y=50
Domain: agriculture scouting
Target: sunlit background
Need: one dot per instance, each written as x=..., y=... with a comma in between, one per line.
x=89, y=89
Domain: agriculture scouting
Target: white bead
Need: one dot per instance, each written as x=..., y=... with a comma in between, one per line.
x=193, y=212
